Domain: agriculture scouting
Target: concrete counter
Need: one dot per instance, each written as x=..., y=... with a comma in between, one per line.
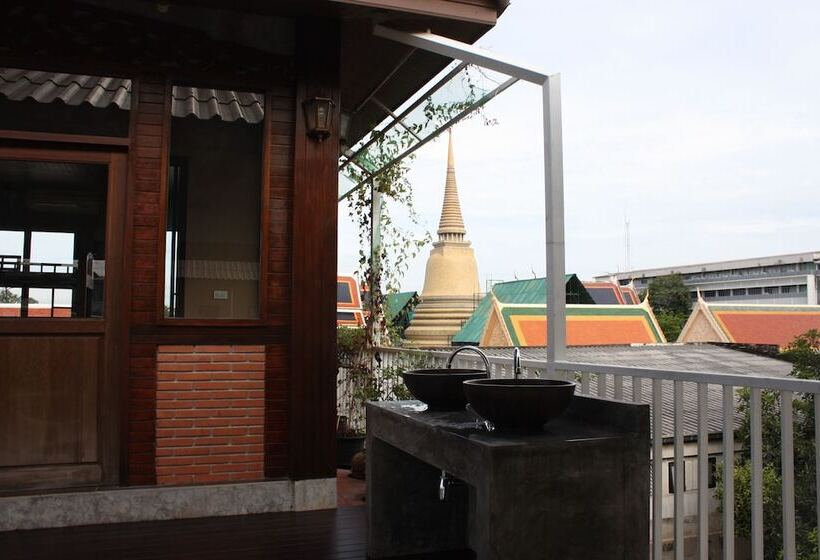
x=579, y=489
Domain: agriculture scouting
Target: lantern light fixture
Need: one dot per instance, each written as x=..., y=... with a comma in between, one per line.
x=318, y=117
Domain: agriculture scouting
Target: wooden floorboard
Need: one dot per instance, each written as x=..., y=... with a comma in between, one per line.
x=317, y=535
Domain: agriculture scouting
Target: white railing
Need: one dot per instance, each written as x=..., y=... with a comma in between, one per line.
x=650, y=387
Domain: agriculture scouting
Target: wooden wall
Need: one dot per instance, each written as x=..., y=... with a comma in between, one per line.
x=313, y=334
x=298, y=327
x=298, y=244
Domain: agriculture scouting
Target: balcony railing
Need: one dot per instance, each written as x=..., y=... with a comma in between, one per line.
x=686, y=407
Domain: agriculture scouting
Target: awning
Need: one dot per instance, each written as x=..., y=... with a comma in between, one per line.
x=460, y=90
x=102, y=92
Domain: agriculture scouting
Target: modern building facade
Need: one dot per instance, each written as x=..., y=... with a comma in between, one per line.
x=779, y=279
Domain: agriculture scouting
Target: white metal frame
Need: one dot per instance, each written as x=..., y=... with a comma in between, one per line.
x=553, y=164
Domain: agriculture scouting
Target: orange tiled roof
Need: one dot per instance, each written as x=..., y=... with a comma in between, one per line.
x=765, y=324
x=13, y=310
x=587, y=325
x=349, y=311
x=749, y=323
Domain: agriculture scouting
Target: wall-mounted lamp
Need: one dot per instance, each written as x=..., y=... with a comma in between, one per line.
x=318, y=117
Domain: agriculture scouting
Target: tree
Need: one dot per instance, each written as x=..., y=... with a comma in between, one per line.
x=669, y=299
x=804, y=353
x=7, y=296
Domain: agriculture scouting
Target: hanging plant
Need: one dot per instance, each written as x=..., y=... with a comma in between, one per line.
x=363, y=378
x=382, y=273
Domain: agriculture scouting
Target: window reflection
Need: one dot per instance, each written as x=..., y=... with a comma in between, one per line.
x=52, y=239
x=214, y=204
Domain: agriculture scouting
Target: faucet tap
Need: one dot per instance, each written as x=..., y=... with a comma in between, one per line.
x=474, y=349
x=516, y=362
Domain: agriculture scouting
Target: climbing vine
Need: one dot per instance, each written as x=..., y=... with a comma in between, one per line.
x=399, y=246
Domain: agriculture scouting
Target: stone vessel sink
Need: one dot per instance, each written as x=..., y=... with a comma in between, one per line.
x=520, y=405
x=441, y=389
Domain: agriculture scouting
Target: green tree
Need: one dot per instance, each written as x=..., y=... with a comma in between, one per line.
x=7, y=296
x=804, y=353
x=669, y=299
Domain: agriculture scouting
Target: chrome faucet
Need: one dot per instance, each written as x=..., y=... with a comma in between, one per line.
x=516, y=362
x=474, y=349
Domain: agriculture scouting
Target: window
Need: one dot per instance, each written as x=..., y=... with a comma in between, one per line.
x=788, y=289
x=712, y=472
x=212, y=250
x=724, y=293
x=709, y=293
x=52, y=245
x=755, y=291
x=672, y=479
x=771, y=290
x=801, y=288
x=739, y=292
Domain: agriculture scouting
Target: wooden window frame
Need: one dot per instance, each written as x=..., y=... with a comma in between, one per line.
x=113, y=326
x=264, y=226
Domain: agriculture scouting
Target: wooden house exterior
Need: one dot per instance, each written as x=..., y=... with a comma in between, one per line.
x=191, y=339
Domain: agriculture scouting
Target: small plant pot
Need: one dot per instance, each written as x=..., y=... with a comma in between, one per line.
x=346, y=448
x=358, y=467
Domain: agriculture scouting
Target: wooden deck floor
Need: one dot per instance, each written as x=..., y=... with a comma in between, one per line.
x=319, y=535
x=332, y=534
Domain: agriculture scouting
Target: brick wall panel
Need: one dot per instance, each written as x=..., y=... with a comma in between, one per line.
x=209, y=424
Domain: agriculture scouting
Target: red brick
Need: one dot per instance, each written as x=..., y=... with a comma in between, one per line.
x=212, y=348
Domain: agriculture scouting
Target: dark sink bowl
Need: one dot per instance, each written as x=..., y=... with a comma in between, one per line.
x=520, y=405
x=441, y=389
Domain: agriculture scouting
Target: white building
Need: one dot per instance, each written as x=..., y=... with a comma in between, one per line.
x=780, y=279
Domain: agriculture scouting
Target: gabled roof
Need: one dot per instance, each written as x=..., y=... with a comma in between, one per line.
x=398, y=302
x=349, y=311
x=630, y=295
x=605, y=293
x=587, y=325
x=748, y=323
x=533, y=290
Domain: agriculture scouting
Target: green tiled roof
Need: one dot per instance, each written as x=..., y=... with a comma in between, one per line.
x=531, y=291
x=394, y=303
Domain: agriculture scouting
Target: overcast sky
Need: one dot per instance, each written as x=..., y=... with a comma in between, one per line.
x=699, y=121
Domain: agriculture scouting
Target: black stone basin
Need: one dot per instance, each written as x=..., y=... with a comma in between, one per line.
x=521, y=405
x=441, y=389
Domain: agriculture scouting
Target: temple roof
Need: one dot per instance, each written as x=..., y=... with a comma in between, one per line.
x=587, y=325
x=749, y=323
x=533, y=290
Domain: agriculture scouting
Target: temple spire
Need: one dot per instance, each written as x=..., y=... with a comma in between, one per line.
x=451, y=226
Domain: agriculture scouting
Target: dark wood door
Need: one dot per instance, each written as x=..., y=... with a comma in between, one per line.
x=61, y=320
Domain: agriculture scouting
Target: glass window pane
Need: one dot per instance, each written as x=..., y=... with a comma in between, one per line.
x=53, y=241
x=214, y=205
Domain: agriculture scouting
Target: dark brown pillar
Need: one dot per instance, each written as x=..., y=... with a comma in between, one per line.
x=315, y=191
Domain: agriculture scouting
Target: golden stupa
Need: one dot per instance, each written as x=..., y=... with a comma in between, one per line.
x=451, y=288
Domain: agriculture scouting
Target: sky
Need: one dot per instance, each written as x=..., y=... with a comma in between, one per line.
x=698, y=122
